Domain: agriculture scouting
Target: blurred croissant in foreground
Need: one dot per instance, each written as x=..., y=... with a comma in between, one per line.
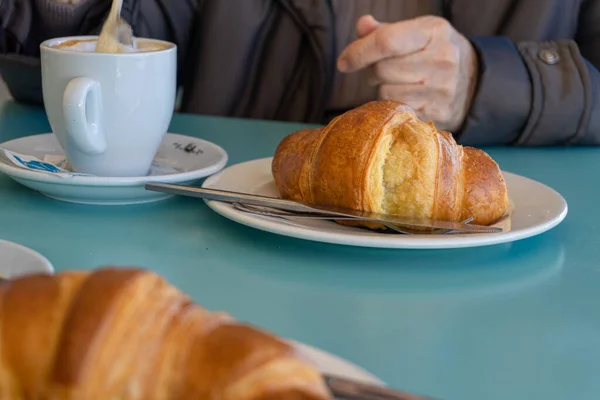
x=381, y=158
x=127, y=334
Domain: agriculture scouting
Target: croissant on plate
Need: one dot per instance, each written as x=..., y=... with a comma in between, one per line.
x=125, y=333
x=381, y=158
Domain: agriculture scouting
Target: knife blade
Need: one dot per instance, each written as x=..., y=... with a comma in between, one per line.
x=346, y=389
x=296, y=206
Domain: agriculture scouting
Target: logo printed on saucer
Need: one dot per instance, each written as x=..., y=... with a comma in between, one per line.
x=190, y=148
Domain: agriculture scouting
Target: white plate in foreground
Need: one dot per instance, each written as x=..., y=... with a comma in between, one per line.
x=17, y=260
x=537, y=208
x=333, y=365
x=180, y=159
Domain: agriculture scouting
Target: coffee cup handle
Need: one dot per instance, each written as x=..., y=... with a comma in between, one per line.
x=82, y=108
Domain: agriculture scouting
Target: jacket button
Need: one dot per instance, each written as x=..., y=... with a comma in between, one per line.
x=550, y=57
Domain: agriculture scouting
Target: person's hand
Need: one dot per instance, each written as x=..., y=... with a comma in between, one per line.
x=424, y=63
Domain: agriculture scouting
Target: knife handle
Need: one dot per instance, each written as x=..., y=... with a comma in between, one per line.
x=345, y=389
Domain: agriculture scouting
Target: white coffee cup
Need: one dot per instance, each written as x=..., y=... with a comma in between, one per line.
x=110, y=112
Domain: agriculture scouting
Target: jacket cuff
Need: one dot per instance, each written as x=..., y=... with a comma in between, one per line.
x=502, y=100
x=562, y=95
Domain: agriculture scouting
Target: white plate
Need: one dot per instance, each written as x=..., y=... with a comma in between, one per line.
x=333, y=365
x=17, y=260
x=537, y=208
x=185, y=159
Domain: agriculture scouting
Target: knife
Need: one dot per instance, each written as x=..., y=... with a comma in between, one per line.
x=346, y=389
x=296, y=206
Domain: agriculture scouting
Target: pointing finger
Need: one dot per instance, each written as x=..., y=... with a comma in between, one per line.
x=386, y=41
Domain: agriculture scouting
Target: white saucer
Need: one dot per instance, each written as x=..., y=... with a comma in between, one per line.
x=334, y=365
x=17, y=260
x=537, y=208
x=184, y=159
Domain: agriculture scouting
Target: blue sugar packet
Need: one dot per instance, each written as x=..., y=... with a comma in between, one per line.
x=55, y=165
x=58, y=165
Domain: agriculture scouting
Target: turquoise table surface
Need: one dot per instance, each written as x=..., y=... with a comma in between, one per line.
x=512, y=321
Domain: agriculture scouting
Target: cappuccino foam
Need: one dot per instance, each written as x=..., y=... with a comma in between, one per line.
x=89, y=46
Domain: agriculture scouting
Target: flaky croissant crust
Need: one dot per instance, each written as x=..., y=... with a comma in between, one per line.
x=381, y=158
x=125, y=333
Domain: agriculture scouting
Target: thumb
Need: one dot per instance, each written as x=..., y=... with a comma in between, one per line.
x=365, y=25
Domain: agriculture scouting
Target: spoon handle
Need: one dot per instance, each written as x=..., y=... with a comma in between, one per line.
x=108, y=41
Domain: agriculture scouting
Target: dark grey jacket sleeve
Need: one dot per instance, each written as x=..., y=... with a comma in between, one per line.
x=24, y=24
x=538, y=93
